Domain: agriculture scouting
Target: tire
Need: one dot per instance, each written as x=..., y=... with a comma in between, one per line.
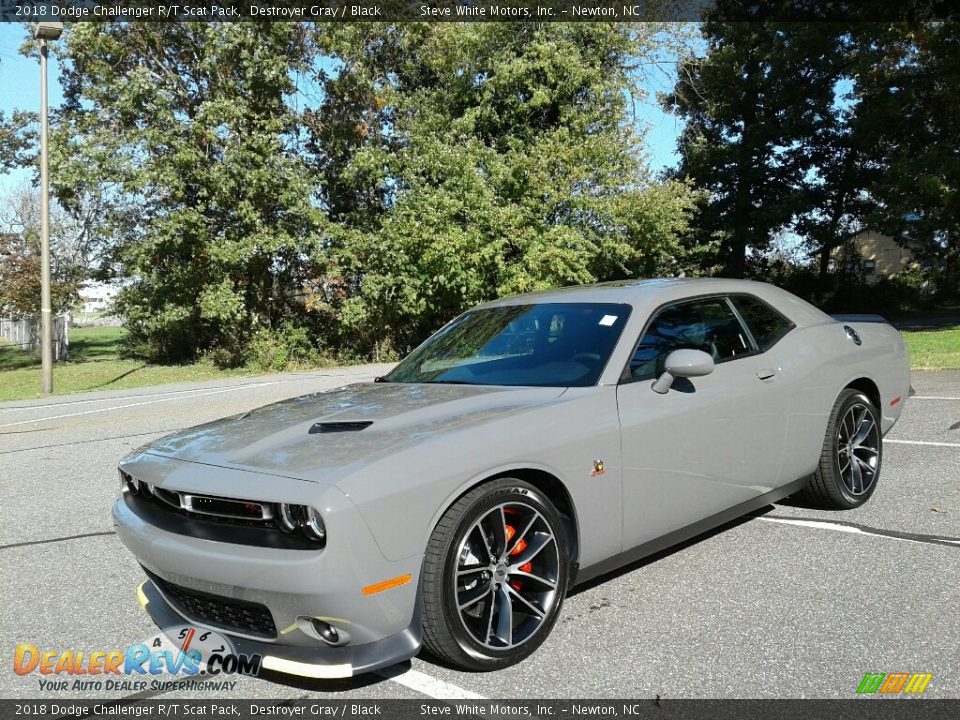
x=466, y=588
x=842, y=483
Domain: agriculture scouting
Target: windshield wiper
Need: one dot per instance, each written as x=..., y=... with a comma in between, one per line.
x=449, y=382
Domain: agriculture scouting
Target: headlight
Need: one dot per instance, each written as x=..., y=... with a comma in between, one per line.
x=313, y=524
x=303, y=518
x=288, y=517
x=130, y=481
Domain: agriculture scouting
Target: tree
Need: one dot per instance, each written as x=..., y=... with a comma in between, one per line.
x=462, y=162
x=822, y=129
x=20, y=255
x=440, y=165
x=17, y=139
x=758, y=107
x=909, y=120
x=835, y=197
x=183, y=134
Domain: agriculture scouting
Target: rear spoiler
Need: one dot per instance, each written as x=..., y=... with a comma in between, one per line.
x=848, y=317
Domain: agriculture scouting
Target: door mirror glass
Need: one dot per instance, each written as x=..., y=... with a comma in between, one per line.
x=683, y=363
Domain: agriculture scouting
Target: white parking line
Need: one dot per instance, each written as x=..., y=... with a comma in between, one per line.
x=846, y=528
x=920, y=442
x=428, y=685
x=130, y=405
x=22, y=408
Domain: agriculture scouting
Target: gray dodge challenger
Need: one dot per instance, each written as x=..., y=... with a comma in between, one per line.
x=532, y=443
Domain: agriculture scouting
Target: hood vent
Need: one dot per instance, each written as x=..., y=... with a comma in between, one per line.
x=334, y=427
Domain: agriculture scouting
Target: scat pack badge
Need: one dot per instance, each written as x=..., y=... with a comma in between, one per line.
x=598, y=468
x=181, y=651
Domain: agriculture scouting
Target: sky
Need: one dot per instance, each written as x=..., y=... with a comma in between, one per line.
x=20, y=90
x=20, y=87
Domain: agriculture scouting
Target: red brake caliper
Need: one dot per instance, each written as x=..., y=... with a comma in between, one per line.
x=510, y=531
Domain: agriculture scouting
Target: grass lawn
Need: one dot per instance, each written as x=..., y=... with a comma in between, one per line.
x=94, y=365
x=934, y=349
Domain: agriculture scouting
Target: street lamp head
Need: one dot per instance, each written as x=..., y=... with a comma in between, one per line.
x=48, y=30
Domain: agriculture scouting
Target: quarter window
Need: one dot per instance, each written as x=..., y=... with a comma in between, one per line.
x=766, y=324
x=707, y=325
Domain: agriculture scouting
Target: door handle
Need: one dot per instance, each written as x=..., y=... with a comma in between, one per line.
x=766, y=373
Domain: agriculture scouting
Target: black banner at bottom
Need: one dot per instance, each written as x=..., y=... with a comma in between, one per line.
x=624, y=709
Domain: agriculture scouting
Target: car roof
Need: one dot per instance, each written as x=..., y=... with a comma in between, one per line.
x=653, y=292
x=626, y=290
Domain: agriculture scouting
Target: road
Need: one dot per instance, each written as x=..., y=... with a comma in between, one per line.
x=791, y=602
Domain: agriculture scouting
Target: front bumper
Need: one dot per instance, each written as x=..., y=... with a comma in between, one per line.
x=310, y=662
x=383, y=627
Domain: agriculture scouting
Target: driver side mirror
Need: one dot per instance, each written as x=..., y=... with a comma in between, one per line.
x=682, y=363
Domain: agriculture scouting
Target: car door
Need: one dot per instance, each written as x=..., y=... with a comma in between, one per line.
x=710, y=442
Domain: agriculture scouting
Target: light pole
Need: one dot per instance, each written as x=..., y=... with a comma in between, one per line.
x=45, y=32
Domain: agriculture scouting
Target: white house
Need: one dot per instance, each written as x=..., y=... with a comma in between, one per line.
x=97, y=297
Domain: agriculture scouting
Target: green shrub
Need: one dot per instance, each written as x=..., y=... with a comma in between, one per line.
x=282, y=348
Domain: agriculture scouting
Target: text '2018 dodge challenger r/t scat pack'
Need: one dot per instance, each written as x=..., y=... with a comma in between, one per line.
x=532, y=443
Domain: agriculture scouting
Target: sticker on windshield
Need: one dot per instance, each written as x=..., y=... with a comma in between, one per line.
x=608, y=320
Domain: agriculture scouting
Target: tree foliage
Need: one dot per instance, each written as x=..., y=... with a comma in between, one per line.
x=354, y=186
x=910, y=121
x=18, y=138
x=462, y=162
x=758, y=106
x=185, y=132
x=822, y=129
x=20, y=255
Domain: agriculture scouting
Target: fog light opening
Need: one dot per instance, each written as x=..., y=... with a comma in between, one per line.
x=327, y=632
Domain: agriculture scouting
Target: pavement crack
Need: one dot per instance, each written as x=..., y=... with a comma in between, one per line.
x=22, y=432
x=56, y=540
x=86, y=441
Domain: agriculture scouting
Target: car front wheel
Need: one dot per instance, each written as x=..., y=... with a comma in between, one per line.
x=494, y=577
x=851, y=456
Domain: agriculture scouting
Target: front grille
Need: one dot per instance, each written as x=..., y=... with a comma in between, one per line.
x=241, y=616
x=219, y=509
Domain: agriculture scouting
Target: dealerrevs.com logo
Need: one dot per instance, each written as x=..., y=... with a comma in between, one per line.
x=181, y=652
x=894, y=683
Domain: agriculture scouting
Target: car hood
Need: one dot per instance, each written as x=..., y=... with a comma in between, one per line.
x=277, y=438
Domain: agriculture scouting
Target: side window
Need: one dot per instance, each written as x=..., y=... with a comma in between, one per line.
x=766, y=324
x=707, y=325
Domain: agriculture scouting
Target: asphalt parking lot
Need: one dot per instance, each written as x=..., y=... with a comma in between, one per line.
x=791, y=602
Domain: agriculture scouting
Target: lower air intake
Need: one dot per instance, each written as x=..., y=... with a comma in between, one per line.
x=242, y=616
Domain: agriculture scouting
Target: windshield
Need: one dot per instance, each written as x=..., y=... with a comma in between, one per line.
x=548, y=344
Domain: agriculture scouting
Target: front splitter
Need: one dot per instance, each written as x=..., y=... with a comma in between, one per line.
x=322, y=663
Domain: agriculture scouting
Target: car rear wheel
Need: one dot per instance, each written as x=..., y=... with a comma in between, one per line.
x=851, y=456
x=494, y=576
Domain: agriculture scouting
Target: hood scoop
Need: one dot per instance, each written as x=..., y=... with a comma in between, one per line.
x=335, y=427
